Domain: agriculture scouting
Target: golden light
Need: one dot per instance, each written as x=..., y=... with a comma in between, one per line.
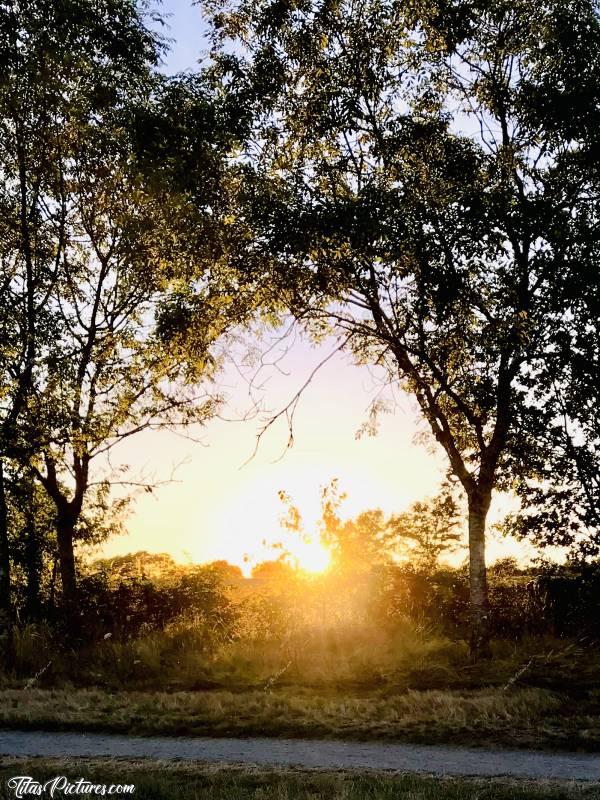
x=312, y=556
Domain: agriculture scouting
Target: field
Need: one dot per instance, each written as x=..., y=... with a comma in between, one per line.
x=167, y=781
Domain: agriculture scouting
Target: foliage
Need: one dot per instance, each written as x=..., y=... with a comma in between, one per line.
x=421, y=535
x=126, y=603
x=424, y=200
x=279, y=571
x=115, y=237
x=431, y=528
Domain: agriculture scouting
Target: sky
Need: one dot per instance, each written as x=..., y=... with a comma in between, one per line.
x=223, y=503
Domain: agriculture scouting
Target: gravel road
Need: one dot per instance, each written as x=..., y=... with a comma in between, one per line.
x=309, y=753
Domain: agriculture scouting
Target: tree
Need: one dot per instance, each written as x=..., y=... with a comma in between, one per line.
x=32, y=539
x=230, y=574
x=356, y=545
x=114, y=270
x=429, y=528
x=154, y=566
x=426, y=187
x=63, y=63
x=560, y=493
x=280, y=572
x=421, y=534
x=71, y=68
x=6, y=630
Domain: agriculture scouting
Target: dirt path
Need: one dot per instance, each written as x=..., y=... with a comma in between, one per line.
x=309, y=753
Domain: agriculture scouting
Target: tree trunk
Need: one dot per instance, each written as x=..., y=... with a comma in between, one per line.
x=53, y=582
x=33, y=566
x=65, y=535
x=7, y=645
x=479, y=503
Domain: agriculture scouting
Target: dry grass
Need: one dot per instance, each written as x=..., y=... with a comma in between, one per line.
x=170, y=781
x=178, y=657
x=407, y=685
x=343, y=658
x=522, y=717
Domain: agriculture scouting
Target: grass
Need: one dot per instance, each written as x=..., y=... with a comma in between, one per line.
x=522, y=717
x=180, y=657
x=342, y=658
x=168, y=781
x=412, y=684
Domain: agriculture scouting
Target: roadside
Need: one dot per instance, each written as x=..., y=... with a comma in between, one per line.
x=312, y=753
x=530, y=718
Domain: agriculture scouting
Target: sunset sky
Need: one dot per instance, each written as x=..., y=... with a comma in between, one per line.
x=218, y=508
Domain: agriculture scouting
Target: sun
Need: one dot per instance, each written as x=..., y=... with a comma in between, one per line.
x=312, y=557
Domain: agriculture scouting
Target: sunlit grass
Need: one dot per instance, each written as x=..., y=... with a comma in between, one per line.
x=342, y=657
x=410, y=683
x=525, y=717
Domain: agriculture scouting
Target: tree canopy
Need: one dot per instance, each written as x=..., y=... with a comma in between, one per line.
x=425, y=187
x=115, y=236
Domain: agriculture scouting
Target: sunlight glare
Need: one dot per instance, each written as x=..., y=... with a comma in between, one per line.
x=312, y=556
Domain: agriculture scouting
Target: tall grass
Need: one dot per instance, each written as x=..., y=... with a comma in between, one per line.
x=184, y=656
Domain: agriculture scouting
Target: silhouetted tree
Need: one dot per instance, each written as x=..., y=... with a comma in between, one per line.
x=429, y=529
x=427, y=189
x=66, y=65
x=115, y=276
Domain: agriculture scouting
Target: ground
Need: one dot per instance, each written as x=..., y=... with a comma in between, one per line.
x=521, y=717
x=172, y=781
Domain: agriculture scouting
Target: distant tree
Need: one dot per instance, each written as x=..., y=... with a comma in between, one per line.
x=230, y=573
x=424, y=532
x=427, y=190
x=361, y=543
x=428, y=529
x=274, y=571
x=506, y=567
x=151, y=565
x=356, y=545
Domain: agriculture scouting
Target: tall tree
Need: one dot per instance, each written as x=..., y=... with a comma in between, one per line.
x=62, y=63
x=426, y=187
x=116, y=284
x=67, y=67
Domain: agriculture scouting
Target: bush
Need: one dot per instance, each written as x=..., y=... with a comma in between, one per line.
x=132, y=605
